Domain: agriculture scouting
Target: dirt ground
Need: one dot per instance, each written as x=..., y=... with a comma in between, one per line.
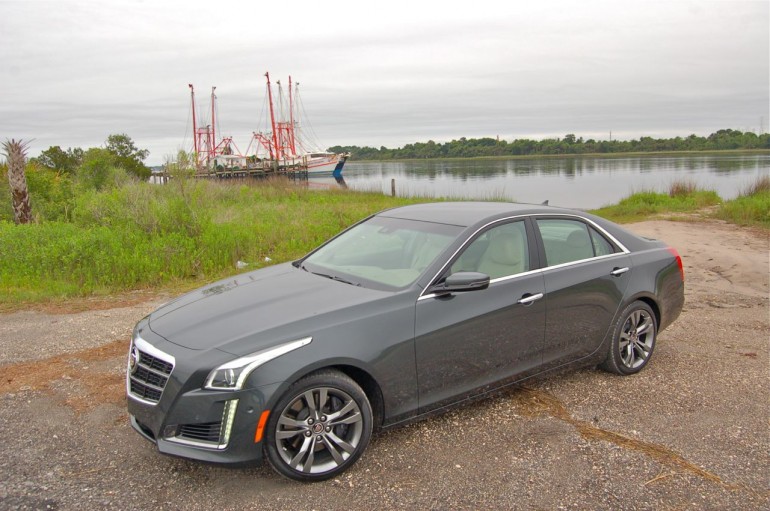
x=691, y=431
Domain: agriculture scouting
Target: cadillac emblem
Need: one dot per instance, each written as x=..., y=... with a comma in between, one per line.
x=133, y=360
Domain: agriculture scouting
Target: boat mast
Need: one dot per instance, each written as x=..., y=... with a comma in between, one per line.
x=291, y=120
x=213, y=143
x=272, y=119
x=195, y=125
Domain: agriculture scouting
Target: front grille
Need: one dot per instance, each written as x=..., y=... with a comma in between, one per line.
x=156, y=364
x=149, y=376
x=204, y=432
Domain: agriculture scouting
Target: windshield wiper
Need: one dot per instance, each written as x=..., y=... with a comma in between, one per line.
x=333, y=277
x=338, y=279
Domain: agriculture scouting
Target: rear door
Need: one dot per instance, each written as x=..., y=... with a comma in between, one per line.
x=585, y=277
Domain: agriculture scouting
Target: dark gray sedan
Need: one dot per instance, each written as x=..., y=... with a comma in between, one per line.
x=406, y=313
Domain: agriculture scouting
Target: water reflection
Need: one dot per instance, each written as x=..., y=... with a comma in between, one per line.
x=581, y=182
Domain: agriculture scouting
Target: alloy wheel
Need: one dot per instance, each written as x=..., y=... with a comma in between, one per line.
x=636, y=339
x=319, y=430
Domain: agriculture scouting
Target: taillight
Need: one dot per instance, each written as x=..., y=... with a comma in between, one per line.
x=678, y=261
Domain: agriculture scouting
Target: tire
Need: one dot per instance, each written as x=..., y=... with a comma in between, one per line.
x=316, y=441
x=633, y=340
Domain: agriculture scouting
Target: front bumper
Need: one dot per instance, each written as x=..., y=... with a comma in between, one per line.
x=181, y=417
x=209, y=426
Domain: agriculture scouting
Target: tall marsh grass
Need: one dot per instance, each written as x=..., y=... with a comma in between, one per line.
x=682, y=188
x=682, y=197
x=751, y=207
x=141, y=235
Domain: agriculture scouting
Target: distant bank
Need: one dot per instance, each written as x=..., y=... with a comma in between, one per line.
x=569, y=145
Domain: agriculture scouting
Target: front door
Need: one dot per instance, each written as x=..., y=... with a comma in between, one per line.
x=470, y=342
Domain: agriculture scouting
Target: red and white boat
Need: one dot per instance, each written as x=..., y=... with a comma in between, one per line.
x=285, y=145
x=282, y=146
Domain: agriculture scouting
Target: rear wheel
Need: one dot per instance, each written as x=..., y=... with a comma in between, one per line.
x=633, y=340
x=319, y=428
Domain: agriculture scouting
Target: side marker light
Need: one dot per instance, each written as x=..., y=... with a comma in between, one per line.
x=261, y=426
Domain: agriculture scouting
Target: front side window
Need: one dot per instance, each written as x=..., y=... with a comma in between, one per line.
x=499, y=252
x=382, y=253
x=566, y=241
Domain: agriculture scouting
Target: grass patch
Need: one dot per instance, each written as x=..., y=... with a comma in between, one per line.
x=751, y=207
x=142, y=236
x=682, y=198
x=682, y=188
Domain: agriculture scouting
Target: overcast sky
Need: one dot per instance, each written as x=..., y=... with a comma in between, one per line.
x=382, y=73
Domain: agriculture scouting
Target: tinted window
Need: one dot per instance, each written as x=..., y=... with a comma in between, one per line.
x=600, y=243
x=565, y=240
x=499, y=252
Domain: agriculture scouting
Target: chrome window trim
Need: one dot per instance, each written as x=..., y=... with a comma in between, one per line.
x=593, y=224
x=545, y=216
x=148, y=348
x=579, y=261
x=493, y=281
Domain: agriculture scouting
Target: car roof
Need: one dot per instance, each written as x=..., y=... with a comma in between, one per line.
x=465, y=214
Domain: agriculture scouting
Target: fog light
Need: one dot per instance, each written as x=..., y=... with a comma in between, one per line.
x=228, y=416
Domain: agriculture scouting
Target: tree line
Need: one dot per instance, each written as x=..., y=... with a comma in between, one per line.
x=119, y=151
x=55, y=177
x=476, y=147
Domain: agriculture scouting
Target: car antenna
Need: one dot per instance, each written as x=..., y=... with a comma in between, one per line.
x=544, y=203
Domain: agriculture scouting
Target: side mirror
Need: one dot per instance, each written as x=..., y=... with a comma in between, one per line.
x=461, y=282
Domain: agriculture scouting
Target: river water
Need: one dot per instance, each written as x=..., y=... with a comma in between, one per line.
x=576, y=182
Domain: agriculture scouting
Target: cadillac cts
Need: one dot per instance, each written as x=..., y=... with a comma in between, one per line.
x=406, y=313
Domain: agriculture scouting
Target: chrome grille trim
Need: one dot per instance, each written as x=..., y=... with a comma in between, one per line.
x=150, y=376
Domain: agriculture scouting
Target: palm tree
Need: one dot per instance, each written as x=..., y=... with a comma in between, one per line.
x=16, y=153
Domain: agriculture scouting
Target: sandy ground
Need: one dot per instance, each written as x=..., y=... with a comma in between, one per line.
x=692, y=431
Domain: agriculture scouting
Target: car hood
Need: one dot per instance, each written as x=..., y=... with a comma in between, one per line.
x=255, y=307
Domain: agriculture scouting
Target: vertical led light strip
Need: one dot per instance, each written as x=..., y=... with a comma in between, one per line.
x=228, y=416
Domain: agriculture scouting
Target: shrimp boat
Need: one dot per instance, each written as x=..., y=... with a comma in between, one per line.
x=283, y=146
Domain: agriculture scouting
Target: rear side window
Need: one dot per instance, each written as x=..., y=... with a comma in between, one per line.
x=571, y=240
x=600, y=243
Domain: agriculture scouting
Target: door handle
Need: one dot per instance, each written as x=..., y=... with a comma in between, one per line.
x=617, y=272
x=530, y=299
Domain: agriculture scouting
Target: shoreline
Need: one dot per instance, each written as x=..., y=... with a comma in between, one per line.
x=715, y=152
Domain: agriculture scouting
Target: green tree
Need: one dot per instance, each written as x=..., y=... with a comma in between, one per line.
x=127, y=156
x=55, y=158
x=101, y=169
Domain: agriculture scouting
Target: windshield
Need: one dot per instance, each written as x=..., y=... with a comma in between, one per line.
x=384, y=253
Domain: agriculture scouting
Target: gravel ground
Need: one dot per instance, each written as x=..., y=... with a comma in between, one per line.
x=689, y=432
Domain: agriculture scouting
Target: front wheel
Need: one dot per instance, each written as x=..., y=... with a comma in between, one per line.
x=633, y=340
x=321, y=427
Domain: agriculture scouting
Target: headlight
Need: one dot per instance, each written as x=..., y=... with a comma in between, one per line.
x=230, y=376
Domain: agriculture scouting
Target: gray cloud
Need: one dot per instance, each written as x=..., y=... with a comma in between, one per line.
x=76, y=71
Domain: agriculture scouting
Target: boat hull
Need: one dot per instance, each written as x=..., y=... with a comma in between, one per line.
x=326, y=164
